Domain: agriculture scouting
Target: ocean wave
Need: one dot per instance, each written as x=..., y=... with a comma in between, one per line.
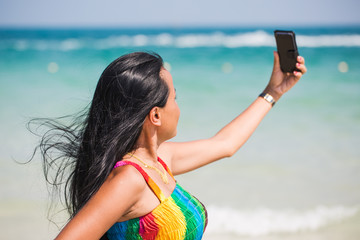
x=264, y=221
x=216, y=39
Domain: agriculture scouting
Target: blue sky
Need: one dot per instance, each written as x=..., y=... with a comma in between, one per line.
x=74, y=13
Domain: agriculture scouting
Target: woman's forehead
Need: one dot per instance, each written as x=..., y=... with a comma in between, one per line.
x=166, y=76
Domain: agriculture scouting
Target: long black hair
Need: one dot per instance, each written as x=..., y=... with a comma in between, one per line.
x=78, y=157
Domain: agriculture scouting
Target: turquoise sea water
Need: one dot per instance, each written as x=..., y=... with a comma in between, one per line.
x=298, y=177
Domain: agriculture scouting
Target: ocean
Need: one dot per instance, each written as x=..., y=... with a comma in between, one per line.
x=298, y=176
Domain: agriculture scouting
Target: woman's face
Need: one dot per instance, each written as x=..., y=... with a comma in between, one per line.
x=170, y=113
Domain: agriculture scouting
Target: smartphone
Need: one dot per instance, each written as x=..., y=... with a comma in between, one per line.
x=287, y=49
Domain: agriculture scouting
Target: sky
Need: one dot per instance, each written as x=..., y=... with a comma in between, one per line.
x=129, y=13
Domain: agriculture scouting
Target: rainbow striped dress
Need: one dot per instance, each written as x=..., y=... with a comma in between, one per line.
x=178, y=217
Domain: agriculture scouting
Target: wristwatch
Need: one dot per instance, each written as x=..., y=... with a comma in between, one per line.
x=268, y=98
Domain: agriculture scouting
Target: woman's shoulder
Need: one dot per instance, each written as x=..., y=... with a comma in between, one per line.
x=126, y=177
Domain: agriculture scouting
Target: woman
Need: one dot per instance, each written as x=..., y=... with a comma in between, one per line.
x=121, y=183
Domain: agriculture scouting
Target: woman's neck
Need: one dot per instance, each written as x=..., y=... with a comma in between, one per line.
x=147, y=145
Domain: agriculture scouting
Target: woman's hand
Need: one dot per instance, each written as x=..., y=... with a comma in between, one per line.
x=281, y=82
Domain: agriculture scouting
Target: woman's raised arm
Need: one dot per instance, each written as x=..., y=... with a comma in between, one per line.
x=187, y=156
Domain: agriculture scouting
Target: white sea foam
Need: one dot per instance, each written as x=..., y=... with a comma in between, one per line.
x=264, y=221
x=70, y=44
x=164, y=39
x=216, y=39
x=329, y=41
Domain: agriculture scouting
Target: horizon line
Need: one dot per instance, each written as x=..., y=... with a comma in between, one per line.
x=173, y=26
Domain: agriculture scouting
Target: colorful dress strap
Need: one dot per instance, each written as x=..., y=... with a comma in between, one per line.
x=153, y=186
x=166, y=168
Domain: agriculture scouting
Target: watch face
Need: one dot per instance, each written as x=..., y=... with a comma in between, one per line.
x=269, y=98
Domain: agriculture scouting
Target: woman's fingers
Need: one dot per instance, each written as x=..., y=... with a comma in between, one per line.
x=297, y=74
x=301, y=60
x=300, y=65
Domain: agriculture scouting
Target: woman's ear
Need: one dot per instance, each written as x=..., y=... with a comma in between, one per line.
x=155, y=116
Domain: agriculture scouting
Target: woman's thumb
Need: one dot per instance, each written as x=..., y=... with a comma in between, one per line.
x=276, y=60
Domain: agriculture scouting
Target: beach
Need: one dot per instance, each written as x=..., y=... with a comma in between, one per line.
x=298, y=176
